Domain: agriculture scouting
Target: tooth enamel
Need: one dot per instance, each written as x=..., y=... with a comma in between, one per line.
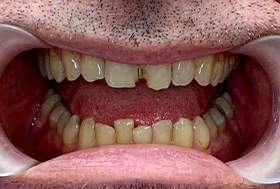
x=87, y=133
x=218, y=118
x=227, y=97
x=204, y=69
x=218, y=70
x=225, y=70
x=41, y=62
x=62, y=121
x=71, y=131
x=227, y=109
x=162, y=132
x=56, y=112
x=48, y=94
x=142, y=134
x=157, y=76
x=92, y=68
x=201, y=133
x=120, y=75
x=230, y=64
x=71, y=65
x=123, y=129
x=47, y=106
x=48, y=66
x=211, y=125
x=56, y=66
x=182, y=72
x=236, y=62
x=183, y=133
x=105, y=135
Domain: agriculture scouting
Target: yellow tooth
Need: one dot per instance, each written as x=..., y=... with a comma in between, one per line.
x=47, y=106
x=218, y=118
x=218, y=70
x=71, y=131
x=56, y=66
x=162, y=132
x=56, y=112
x=201, y=133
x=211, y=126
x=105, y=135
x=183, y=133
x=71, y=64
x=204, y=69
x=41, y=62
x=120, y=75
x=226, y=107
x=227, y=97
x=92, y=68
x=157, y=76
x=225, y=70
x=142, y=134
x=182, y=72
x=87, y=133
x=48, y=66
x=62, y=121
x=124, y=130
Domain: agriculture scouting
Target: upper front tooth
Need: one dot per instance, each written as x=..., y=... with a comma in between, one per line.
x=182, y=72
x=92, y=68
x=123, y=129
x=56, y=66
x=157, y=76
x=204, y=69
x=71, y=64
x=218, y=70
x=162, y=132
x=120, y=75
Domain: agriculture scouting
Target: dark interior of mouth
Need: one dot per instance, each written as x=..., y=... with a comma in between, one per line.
x=22, y=90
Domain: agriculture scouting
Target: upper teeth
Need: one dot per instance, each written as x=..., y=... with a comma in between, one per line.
x=211, y=69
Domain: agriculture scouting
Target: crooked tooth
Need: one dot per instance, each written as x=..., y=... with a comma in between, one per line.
x=218, y=118
x=92, y=68
x=225, y=70
x=218, y=70
x=183, y=133
x=62, y=121
x=201, y=133
x=204, y=69
x=123, y=129
x=48, y=104
x=48, y=66
x=157, y=76
x=41, y=62
x=56, y=112
x=182, y=72
x=71, y=64
x=120, y=75
x=87, y=133
x=71, y=131
x=56, y=66
x=162, y=132
x=226, y=107
x=105, y=135
x=211, y=126
x=142, y=134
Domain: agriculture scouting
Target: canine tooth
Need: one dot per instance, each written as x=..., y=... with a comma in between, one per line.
x=71, y=64
x=92, y=68
x=204, y=69
x=142, y=134
x=157, y=76
x=47, y=106
x=71, y=131
x=120, y=75
x=87, y=133
x=211, y=125
x=56, y=112
x=48, y=66
x=226, y=107
x=218, y=118
x=162, y=132
x=62, y=121
x=124, y=130
x=225, y=71
x=218, y=70
x=41, y=62
x=183, y=133
x=105, y=135
x=56, y=66
x=201, y=133
x=182, y=72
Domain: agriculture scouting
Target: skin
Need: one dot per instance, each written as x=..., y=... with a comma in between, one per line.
x=144, y=32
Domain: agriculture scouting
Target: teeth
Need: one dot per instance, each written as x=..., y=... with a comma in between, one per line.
x=62, y=122
x=41, y=62
x=211, y=125
x=225, y=71
x=71, y=64
x=142, y=134
x=227, y=97
x=71, y=131
x=218, y=118
x=162, y=132
x=226, y=107
x=237, y=59
x=204, y=69
x=92, y=68
x=218, y=70
x=123, y=129
x=182, y=72
x=47, y=106
x=157, y=76
x=87, y=134
x=48, y=66
x=105, y=135
x=56, y=66
x=231, y=64
x=57, y=111
x=201, y=133
x=183, y=133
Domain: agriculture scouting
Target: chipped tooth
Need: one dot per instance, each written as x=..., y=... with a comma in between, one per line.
x=211, y=125
x=225, y=70
x=47, y=106
x=71, y=131
x=105, y=135
x=48, y=66
x=123, y=129
x=92, y=68
x=56, y=66
x=162, y=132
x=87, y=134
x=157, y=76
x=41, y=62
x=183, y=133
x=218, y=70
x=120, y=75
x=62, y=121
x=56, y=112
x=226, y=107
x=201, y=133
x=204, y=69
x=182, y=72
x=71, y=64
x=142, y=134
x=218, y=118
